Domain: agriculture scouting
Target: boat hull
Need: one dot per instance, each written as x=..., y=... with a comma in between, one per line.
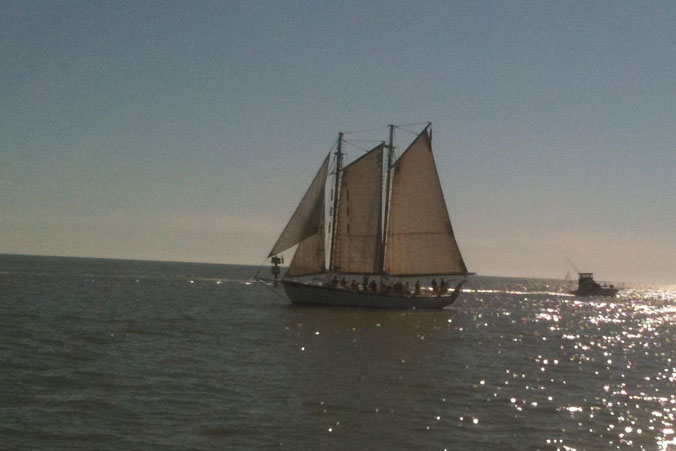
x=596, y=292
x=299, y=293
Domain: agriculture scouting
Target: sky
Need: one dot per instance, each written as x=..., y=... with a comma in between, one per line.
x=188, y=131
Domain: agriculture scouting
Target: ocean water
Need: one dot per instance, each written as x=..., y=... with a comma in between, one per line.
x=111, y=355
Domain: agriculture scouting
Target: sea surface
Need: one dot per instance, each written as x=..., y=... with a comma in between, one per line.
x=114, y=355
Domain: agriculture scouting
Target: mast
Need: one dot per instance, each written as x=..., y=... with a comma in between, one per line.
x=334, y=205
x=383, y=230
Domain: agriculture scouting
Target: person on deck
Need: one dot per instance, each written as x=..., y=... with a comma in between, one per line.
x=354, y=286
x=397, y=287
x=443, y=288
x=417, y=287
x=434, y=285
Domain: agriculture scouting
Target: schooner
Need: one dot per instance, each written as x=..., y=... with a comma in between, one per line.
x=388, y=227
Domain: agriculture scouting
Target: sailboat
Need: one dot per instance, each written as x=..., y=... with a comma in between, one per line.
x=388, y=227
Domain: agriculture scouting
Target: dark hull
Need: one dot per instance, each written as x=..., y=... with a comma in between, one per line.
x=596, y=292
x=299, y=293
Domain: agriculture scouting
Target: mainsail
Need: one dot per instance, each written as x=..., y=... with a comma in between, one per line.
x=357, y=231
x=420, y=239
x=307, y=220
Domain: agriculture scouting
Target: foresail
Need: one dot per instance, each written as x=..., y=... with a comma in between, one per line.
x=420, y=237
x=309, y=257
x=307, y=218
x=357, y=231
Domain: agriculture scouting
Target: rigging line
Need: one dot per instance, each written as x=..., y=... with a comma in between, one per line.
x=383, y=127
x=261, y=267
x=366, y=140
x=356, y=146
x=351, y=143
x=401, y=127
x=411, y=125
x=364, y=130
x=407, y=131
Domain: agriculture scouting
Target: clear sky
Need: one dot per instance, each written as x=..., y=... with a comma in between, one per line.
x=188, y=131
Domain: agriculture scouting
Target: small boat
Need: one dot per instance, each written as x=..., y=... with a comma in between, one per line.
x=587, y=286
x=388, y=227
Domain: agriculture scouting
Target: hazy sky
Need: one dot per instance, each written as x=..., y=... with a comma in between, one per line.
x=189, y=130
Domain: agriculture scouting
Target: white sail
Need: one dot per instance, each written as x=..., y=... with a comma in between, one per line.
x=308, y=217
x=358, y=227
x=420, y=238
